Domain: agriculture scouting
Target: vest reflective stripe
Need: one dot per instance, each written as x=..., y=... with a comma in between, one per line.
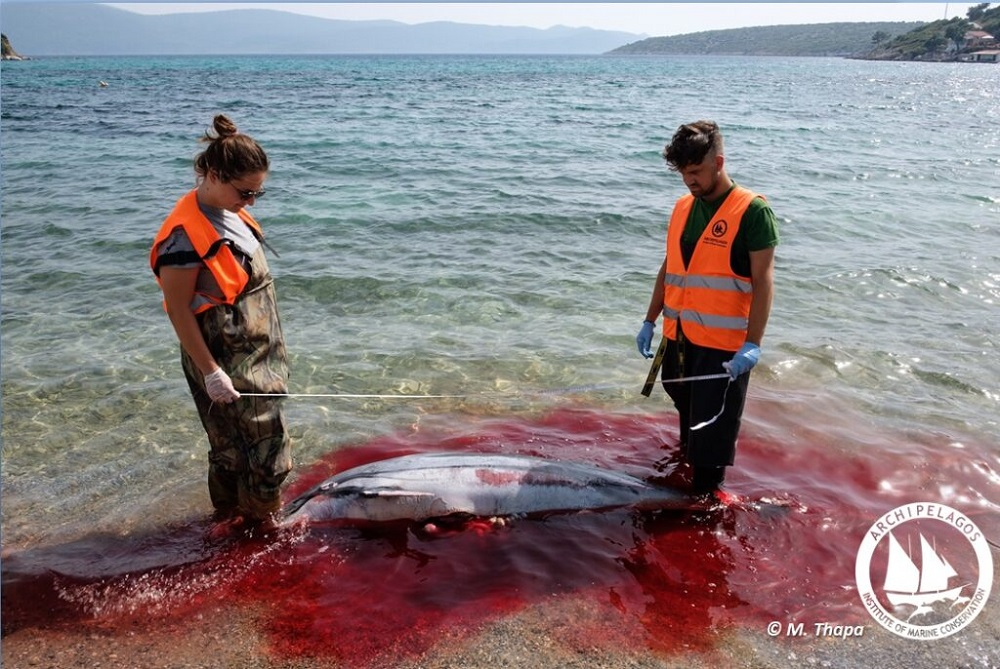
x=737, y=284
x=710, y=301
x=707, y=320
x=199, y=303
x=218, y=257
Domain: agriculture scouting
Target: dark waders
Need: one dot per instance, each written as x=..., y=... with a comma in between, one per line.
x=250, y=452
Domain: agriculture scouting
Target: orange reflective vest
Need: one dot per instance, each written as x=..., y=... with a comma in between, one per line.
x=711, y=302
x=210, y=247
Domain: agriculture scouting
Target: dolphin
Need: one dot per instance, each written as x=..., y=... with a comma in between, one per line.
x=428, y=486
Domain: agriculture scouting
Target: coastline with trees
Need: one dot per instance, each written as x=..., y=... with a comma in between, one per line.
x=948, y=40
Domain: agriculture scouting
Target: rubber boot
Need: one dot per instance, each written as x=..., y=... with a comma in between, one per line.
x=223, y=488
x=706, y=480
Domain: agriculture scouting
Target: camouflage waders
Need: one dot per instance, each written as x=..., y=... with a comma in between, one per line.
x=250, y=452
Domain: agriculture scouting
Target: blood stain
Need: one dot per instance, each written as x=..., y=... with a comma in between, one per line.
x=661, y=581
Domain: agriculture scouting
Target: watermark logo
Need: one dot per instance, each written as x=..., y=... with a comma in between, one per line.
x=931, y=568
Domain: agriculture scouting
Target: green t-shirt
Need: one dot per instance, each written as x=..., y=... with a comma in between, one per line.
x=758, y=231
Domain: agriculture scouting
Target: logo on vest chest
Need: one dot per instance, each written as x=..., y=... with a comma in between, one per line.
x=717, y=234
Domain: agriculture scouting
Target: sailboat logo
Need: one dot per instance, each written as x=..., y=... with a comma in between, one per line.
x=927, y=597
x=920, y=587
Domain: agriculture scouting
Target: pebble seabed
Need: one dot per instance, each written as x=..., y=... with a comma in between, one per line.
x=541, y=636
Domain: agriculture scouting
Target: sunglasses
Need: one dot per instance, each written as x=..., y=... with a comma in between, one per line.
x=248, y=194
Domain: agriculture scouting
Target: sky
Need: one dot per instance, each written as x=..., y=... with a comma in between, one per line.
x=652, y=18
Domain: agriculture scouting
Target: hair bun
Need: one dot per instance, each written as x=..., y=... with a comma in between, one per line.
x=230, y=153
x=224, y=127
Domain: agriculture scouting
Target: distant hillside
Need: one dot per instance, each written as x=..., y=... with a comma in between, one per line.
x=817, y=39
x=83, y=29
x=7, y=51
x=940, y=40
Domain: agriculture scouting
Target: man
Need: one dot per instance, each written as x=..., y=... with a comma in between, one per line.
x=714, y=290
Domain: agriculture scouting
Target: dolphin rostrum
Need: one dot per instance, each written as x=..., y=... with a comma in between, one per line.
x=426, y=486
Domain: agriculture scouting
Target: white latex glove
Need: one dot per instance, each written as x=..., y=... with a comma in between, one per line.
x=220, y=387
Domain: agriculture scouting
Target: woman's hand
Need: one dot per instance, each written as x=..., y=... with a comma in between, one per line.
x=220, y=387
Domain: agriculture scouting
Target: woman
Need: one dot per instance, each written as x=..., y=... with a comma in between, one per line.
x=209, y=261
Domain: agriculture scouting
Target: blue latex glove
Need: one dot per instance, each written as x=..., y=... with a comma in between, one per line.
x=743, y=361
x=644, y=340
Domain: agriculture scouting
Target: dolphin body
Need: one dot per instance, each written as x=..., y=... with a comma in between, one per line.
x=423, y=486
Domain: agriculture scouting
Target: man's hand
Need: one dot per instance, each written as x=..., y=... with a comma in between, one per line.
x=743, y=361
x=644, y=340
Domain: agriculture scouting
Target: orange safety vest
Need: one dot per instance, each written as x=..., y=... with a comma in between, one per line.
x=707, y=297
x=210, y=247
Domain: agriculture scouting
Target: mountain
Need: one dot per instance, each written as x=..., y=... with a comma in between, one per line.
x=82, y=29
x=816, y=39
x=7, y=51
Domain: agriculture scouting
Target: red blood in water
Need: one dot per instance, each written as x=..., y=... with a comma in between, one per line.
x=668, y=581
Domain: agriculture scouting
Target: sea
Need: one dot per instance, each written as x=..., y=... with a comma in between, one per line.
x=464, y=250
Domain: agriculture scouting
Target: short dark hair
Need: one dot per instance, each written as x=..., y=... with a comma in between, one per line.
x=230, y=153
x=691, y=143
